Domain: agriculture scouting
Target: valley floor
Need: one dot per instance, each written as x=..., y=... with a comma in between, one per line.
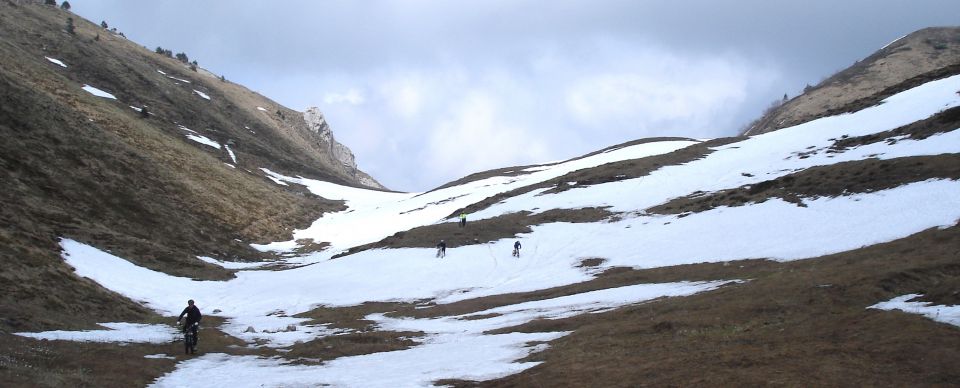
x=726, y=266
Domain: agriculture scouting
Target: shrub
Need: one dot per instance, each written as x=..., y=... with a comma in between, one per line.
x=70, y=27
x=65, y=6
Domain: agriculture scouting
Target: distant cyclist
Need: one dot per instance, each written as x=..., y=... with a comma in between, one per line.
x=516, y=249
x=193, y=320
x=441, y=249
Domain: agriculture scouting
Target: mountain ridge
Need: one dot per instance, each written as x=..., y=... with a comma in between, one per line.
x=921, y=56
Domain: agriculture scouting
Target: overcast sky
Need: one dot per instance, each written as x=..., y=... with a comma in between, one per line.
x=425, y=92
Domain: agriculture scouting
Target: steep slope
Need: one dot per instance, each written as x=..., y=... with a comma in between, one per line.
x=112, y=144
x=922, y=56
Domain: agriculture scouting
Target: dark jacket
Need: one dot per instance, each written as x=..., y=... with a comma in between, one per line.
x=192, y=313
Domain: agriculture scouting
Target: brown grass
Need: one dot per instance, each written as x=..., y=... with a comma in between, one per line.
x=480, y=231
x=798, y=324
x=942, y=122
x=862, y=176
x=91, y=169
x=609, y=172
x=32, y=363
x=351, y=344
x=926, y=55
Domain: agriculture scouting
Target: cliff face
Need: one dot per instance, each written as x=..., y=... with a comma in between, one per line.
x=924, y=55
x=339, y=154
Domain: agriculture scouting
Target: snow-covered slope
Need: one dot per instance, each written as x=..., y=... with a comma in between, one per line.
x=459, y=347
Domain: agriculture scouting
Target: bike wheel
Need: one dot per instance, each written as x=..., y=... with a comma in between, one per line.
x=193, y=343
x=186, y=342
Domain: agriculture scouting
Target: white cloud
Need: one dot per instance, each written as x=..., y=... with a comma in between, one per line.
x=657, y=94
x=418, y=128
x=351, y=96
x=577, y=77
x=476, y=136
x=404, y=95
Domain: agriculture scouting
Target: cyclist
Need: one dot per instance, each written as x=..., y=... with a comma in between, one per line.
x=192, y=323
x=441, y=249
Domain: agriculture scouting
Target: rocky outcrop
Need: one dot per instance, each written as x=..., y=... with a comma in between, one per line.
x=318, y=125
x=341, y=155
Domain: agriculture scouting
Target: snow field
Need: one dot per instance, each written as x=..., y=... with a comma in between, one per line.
x=765, y=157
x=452, y=343
x=118, y=332
x=454, y=347
x=375, y=215
x=469, y=357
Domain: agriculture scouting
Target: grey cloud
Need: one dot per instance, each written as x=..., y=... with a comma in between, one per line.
x=526, y=55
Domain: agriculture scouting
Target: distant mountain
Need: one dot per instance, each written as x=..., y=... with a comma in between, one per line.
x=922, y=56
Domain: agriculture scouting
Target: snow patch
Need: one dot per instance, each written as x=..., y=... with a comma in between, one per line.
x=118, y=332
x=160, y=357
x=201, y=94
x=945, y=314
x=203, y=140
x=232, y=155
x=231, y=264
x=57, y=61
x=97, y=92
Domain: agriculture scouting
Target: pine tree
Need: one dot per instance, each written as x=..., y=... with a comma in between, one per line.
x=50, y=2
x=104, y=24
x=70, y=27
x=65, y=6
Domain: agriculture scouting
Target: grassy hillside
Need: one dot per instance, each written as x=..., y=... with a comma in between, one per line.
x=922, y=56
x=80, y=166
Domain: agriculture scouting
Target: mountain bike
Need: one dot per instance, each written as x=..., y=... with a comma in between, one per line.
x=190, y=335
